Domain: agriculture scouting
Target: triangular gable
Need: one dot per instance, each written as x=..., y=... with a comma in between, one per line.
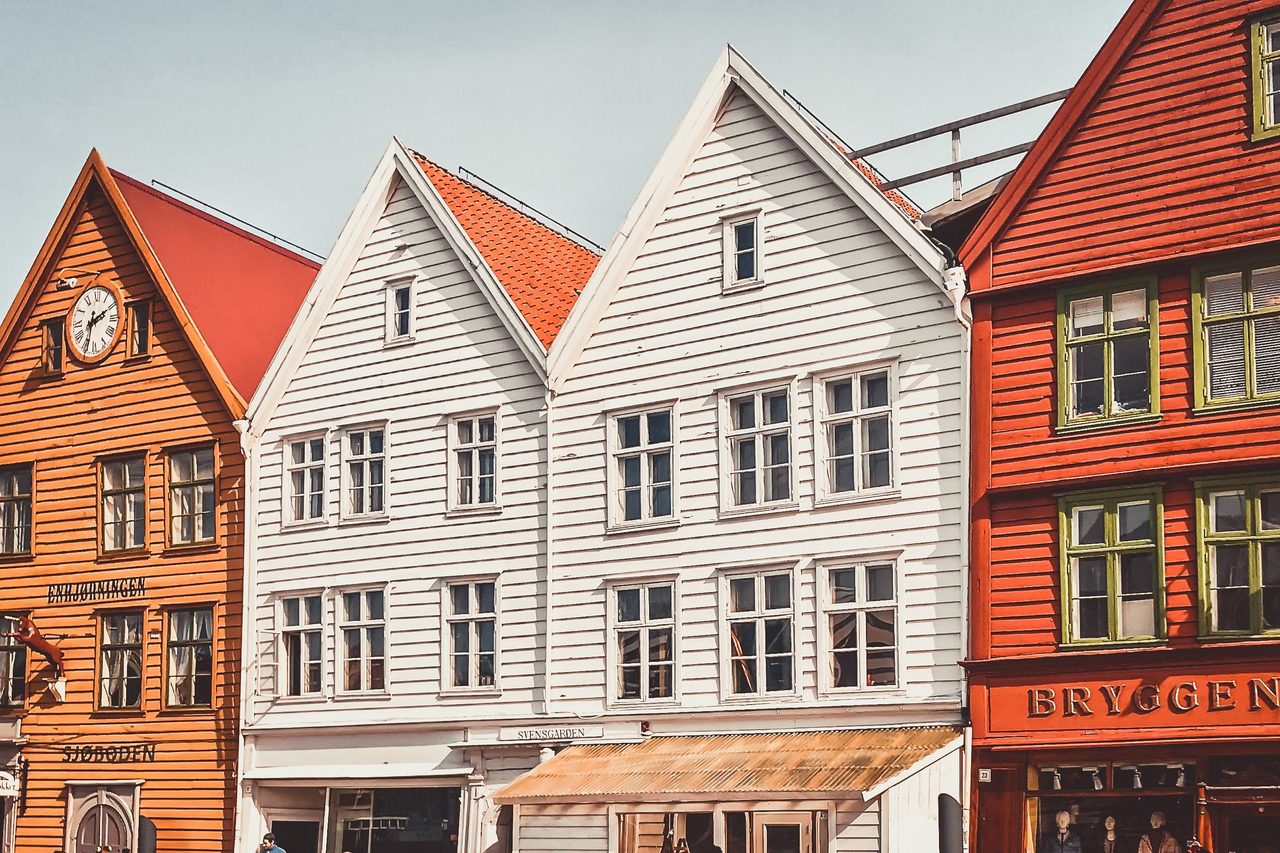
x=733, y=73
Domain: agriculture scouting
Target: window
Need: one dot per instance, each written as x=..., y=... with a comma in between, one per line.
x=1240, y=557
x=139, y=328
x=1238, y=336
x=1112, y=567
x=120, y=668
x=857, y=433
x=13, y=663
x=1107, y=353
x=190, y=658
x=124, y=504
x=473, y=634
x=759, y=446
x=1265, y=38
x=475, y=461
x=53, y=350
x=399, y=311
x=742, y=251
x=760, y=634
x=863, y=626
x=301, y=639
x=642, y=451
x=306, y=479
x=645, y=636
x=365, y=460
x=363, y=631
x=192, y=499
x=15, y=510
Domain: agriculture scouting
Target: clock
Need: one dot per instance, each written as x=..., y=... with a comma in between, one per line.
x=93, y=323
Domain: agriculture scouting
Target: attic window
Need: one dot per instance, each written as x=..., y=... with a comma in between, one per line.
x=1265, y=50
x=399, y=311
x=742, y=251
x=139, y=328
x=52, y=347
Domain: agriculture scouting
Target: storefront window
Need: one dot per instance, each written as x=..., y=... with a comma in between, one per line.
x=394, y=820
x=1112, y=808
x=666, y=832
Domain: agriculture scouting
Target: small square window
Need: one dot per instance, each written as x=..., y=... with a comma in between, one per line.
x=742, y=256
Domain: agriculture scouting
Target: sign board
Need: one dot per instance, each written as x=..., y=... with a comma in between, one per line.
x=544, y=734
x=984, y=774
x=9, y=785
x=116, y=753
x=108, y=590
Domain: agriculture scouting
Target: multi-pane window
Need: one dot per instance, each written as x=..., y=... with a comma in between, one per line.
x=139, y=328
x=365, y=459
x=759, y=446
x=1112, y=567
x=742, y=251
x=13, y=663
x=1240, y=536
x=53, y=352
x=760, y=634
x=399, y=310
x=124, y=504
x=645, y=636
x=15, y=510
x=1265, y=38
x=120, y=664
x=473, y=634
x=858, y=431
x=189, y=655
x=1107, y=342
x=305, y=464
x=363, y=630
x=475, y=461
x=192, y=500
x=862, y=620
x=301, y=641
x=642, y=466
x=1239, y=335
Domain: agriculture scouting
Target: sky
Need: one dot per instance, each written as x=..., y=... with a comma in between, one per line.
x=278, y=111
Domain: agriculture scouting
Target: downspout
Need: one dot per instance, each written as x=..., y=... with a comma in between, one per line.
x=549, y=634
x=248, y=657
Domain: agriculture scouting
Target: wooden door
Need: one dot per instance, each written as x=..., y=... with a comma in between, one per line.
x=999, y=808
x=782, y=832
x=101, y=827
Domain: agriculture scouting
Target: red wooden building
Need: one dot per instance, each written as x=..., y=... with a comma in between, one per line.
x=1125, y=661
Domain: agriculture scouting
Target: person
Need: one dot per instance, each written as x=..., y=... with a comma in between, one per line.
x=1063, y=839
x=1157, y=839
x=268, y=845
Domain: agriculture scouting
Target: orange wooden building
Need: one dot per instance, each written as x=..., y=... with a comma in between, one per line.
x=129, y=352
x=1125, y=671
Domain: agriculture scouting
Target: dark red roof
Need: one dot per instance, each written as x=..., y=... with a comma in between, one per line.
x=541, y=270
x=904, y=204
x=241, y=290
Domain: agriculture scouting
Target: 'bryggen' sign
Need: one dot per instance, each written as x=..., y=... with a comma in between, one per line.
x=1227, y=694
x=116, y=588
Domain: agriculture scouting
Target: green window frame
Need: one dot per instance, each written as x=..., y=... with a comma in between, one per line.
x=1238, y=532
x=1235, y=315
x=1112, y=566
x=1264, y=48
x=1104, y=332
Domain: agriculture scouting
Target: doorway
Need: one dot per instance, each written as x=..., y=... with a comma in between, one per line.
x=1252, y=829
x=783, y=832
x=102, y=826
x=394, y=820
x=297, y=836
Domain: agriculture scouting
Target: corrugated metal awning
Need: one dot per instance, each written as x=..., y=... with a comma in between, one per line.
x=745, y=766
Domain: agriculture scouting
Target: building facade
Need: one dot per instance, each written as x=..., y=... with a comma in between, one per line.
x=1126, y=481
x=122, y=369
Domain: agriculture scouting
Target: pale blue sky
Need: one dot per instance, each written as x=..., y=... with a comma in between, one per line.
x=277, y=112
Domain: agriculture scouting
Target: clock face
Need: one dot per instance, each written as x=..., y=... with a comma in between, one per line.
x=94, y=323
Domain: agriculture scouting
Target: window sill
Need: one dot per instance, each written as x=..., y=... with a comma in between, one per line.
x=1234, y=406
x=742, y=286
x=1079, y=646
x=468, y=511
x=877, y=693
x=360, y=520
x=186, y=711
x=643, y=704
x=1265, y=134
x=858, y=498
x=307, y=524
x=760, y=509
x=17, y=558
x=355, y=696
x=641, y=526
x=1240, y=638
x=194, y=548
x=142, y=358
x=761, y=699
x=117, y=713
x=471, y=693
x=121, y=556
x=1107, y=423
x=395, y=343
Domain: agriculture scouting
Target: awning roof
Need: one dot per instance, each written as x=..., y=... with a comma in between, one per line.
x=744, y=766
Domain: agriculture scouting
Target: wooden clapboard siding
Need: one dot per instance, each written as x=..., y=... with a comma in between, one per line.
x=857, y=828
x=909, y=811
x=839, y=293
x=561, y=829
x=63, y=425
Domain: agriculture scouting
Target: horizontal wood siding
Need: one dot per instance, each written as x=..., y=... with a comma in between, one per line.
x=857, y=828
x=64, y=425
x=563, y=829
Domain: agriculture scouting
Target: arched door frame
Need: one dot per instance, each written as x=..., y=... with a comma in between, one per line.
x=120, y=795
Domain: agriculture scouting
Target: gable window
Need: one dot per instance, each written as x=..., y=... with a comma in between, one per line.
x=1265, y=50
x=305, y=464
x=642, y=462
x=644, y=634
x=124, y=504
x=1238, y=336
x=13, y=663
x=1239, y=526
x=53, y=342
x=759, y=650
x=15, y=510
x=475, y=461
x=863, y=626
x=120, y=660
x=189, y=658
x=1112, y=567
x=192, y=498
x=473, y=634
x=302, y=644
x=1107, y=347
x=759, y=447
x=363, y=631
x=857, y=432
x=139, y=314
x=365, y=458
x=399, y=310
x=742, y=250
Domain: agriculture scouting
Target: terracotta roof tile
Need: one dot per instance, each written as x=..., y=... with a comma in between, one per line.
x=904, y=204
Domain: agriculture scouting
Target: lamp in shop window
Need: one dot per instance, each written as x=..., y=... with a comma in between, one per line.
x=1057, y=780
x=1181, y=781
x=1097, y=779
x=1137, y=779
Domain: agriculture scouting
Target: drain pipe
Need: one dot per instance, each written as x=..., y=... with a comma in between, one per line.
x=548, y=642
x=248, y=656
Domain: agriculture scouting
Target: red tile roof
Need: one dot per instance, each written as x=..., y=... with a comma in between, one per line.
x=241, y=291
x=542, y=270
x=877, y=181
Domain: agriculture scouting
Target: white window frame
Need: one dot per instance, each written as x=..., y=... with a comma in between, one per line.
x=346, y=459
x=454, y=447
x=303, y=628
x=724, y=651
x=287, y=517
x=613, y=475
x=827, y=608
x=391, y=336
x=448, y=620
x=727, y=435
x=612, y=658
x=729, y=280
x=823, y=418
x=340, y=624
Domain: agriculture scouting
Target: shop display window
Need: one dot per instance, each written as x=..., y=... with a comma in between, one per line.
x=394, y=820
x=1111, y=807
x=1244, y=771
x=666, y=832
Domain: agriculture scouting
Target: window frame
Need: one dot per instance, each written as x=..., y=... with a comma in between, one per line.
x=1251, y=486
x=131, y=313
x=213, y=480
x=303, y=628
x=30, y=496
x=827, y=608
x=1200, y=323
x=344, y=480
x=823, y=418
x=340, y=624
x=391, y=337
x=726, y=435
x=1063, y=343
x=729, y=281
x=101, y=463
x=288, y=466
x=613, y=660
x=10, y=646
x=1110, y=501
x=448, y=619
x=453, y=447
x=1260, y=128
x=211, y=608
x=726, y=617
x=100, y=648
x=53, y=340
x=614, y=519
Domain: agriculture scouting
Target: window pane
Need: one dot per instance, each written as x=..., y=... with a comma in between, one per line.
x=1128, y=310
x=1090, y=525
x=351, y=606
x=629, y=680
x=312, y=603
x=631, y=509
x=742, y=637
x=629, y=431
x=745, y=266
x=628, y=605
x=1091, y=576
x=1135, y=521
x=460, y=596
x=840, y=396
x=775, y=406
x=662, y=501
x=881, y=640
x=1137, y=595
x=466, y=432
x=1224, y=294
x=842, y=472
x=844, y=586
x=660, y=644
x=1270, y=586
x=777, y=636
x=742, y=595
x=631, y=471
x=485, y=598
x=1086, y=316
x=777, y=592
x=744, y=412
x=659, y=602
x=744, y=676
x=292, y=611
x=875, y=391
x=660, y=470
x=744, y=235
x=1272, y=38
x=1087, y=378
x=879, y=583
x=659, y=424
x=1230, y=578
x=1129, y=370
x=373, y=604
x=1266, y=354
x=1226, y=360
x=1227, y=511
x=1264, y=285
x=777, y=674
x=1270, y=507
x=661, y=681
